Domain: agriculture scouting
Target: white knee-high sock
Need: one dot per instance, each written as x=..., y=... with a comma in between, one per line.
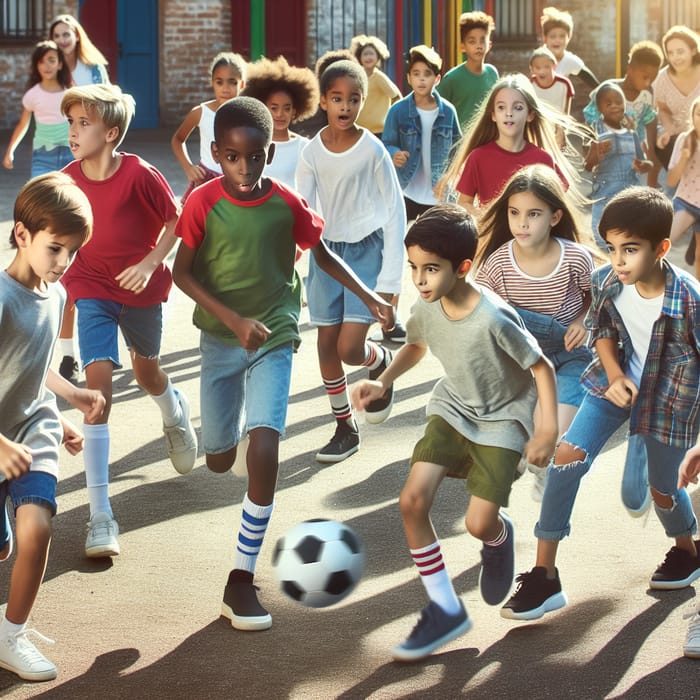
x=254, y=522
x=434, y=576
x=96, y=457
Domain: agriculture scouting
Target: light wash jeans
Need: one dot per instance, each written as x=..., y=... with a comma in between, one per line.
x=595, y=422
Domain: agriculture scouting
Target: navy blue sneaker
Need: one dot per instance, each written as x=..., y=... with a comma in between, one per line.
x=498, y=568
x=434, y=628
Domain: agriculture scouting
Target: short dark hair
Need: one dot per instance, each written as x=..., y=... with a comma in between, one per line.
x=343, y=69
x=243, y=111
x=640, y=211
x=447, y=230
x=475, y=20
x=646, y=53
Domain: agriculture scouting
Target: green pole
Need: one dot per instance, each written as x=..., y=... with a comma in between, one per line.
x=257, y=29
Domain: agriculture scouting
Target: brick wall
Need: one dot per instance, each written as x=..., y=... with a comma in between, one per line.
x=191, y=34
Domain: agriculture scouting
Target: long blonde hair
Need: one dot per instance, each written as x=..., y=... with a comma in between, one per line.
x=540, y=132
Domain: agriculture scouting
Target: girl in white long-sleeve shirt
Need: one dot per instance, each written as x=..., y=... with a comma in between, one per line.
x=347, y=174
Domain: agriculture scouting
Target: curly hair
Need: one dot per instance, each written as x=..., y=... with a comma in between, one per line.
x=265, y=77
x=361, y=41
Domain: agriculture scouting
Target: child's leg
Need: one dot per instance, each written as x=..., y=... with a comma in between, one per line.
x=266, y=391
x=66, y=344
x=34, y=497
x=142, y=329
x=682, y=221
x=675, y=511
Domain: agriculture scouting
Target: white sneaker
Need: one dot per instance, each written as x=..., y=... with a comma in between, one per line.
x=103, y=532
x=19, y=655
x=691, y=649
x=181, y=439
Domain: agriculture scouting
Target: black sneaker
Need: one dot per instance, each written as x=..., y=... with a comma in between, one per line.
x=68, y=369
x=378, y=411
x=396, y=335
x=497, y=568
x=535, y=595
x=344, y=443
x=679, y=569
x=241, y=606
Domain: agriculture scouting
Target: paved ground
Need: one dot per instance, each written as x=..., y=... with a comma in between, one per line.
x=146, y=624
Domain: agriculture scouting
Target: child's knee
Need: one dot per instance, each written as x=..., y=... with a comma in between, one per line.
x=566, y=453
x=663, y=500
x=222, y=462
x=413, y=503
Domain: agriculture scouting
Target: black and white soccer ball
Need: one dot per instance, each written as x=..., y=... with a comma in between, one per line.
x=318, y=562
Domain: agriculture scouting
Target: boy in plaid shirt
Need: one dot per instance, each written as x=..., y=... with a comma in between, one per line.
x=645, y=327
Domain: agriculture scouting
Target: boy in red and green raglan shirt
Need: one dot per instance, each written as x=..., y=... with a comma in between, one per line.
x=240, y=234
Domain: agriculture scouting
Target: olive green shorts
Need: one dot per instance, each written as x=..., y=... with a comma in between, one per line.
x=489, y=471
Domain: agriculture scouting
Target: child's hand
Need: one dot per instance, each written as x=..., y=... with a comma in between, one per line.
x=641, y=166
x=383, y=311
x=622, y=392
x=91, y=402
x=15, y=458
x=251, y=333
x=135, y=278
x=593, y=157
x=72, y=438
x=540, y=448
x=399, y=158
x=689, y=468
x=8, y=161
x=575, y=336
x=366, y=391
x=662, y=139
x=195, y=174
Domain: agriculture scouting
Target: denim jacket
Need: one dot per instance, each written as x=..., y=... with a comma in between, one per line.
x=402, y=132
x=668, y=405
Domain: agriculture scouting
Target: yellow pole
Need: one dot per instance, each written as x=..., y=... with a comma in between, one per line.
x=618, y=39
x=427, y=23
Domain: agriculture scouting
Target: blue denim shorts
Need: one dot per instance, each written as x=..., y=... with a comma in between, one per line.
x=329, y=302
x=241, y=390
x=98, y=321
x=680, y=204
x=38, y=488
x=45, y=161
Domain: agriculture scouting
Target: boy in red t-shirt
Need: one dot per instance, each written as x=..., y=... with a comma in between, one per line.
x=119, y=281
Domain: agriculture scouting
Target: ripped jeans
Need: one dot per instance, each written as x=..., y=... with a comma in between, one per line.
x=595, y=422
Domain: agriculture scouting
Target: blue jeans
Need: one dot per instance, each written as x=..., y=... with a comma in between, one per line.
x=569, y=365
x=595, y=422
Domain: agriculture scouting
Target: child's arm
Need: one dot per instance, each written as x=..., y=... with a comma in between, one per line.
x=621, y=391
x=540, y=448
x=674, y=174
x=90, y=401
x=15, y=458
x=16, y=138
x=366, y=390
x=666, y=121
x=468, y=203
x=334, y=266
x=588, y=77
x=250, y=332
x=391, y=139
x=135, y=277
x=576, y=333
x=177, y=143
x=689, y=468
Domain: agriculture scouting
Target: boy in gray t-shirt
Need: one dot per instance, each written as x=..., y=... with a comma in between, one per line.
x=480, y=416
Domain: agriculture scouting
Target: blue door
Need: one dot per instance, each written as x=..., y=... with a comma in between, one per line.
x=137, y=36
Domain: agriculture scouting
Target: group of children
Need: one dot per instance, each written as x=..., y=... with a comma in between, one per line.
x=506, y=280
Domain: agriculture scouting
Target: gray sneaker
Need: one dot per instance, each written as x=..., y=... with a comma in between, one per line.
x=497, y=568
x=434, y=628
x=181, y=439
x=102, y=536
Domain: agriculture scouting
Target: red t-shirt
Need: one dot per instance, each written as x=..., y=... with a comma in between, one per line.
x=129, y=209
x=489, y=167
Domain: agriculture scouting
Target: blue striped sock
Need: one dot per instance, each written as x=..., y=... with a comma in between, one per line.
x=254, y=521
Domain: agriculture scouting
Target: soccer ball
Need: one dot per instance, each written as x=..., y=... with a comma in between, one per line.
x=319, y=562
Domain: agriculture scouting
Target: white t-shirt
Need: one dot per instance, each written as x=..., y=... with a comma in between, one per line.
x=284, y=162
x=639, y=316
x=570, y=64
x=420, y=188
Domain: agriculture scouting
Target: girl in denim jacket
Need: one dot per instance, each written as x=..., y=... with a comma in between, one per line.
x=419, y=132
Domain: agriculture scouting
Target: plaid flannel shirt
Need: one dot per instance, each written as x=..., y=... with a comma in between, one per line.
x=667, y=408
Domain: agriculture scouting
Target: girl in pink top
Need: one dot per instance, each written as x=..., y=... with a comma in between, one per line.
x=512, y=130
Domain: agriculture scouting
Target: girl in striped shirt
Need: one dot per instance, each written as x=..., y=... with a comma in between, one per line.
x=531, y=255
